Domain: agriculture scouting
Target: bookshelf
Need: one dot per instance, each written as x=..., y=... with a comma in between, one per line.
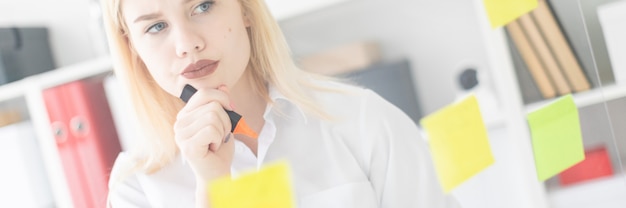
x=29, y=91
x=602, y=192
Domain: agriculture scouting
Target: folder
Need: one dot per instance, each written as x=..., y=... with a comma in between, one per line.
x=66, y=145
x=562, y=51
x=545, y=55
x=585, y=35
x=532, y=61
x=86, y=138
x=597, y=164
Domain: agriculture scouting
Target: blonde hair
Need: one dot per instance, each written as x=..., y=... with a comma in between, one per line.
x=270, y=64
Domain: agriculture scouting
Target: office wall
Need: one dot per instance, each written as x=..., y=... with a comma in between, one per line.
x=439, y=38
x=68, y=21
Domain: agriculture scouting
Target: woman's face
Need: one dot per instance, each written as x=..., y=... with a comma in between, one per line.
x=198, y=42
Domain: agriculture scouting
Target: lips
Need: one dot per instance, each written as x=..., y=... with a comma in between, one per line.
x=200, y=69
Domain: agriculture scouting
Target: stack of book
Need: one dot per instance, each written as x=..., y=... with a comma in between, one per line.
x=540, y=46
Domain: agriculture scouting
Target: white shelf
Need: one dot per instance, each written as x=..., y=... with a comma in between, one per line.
x=12, y=90
x=55, y=77
x=588, y=98
x=604, y=192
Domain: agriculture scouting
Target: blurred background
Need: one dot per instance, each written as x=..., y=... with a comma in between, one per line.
x=64, y=118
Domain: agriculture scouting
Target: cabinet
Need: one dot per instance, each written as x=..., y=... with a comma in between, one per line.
x=597, y=106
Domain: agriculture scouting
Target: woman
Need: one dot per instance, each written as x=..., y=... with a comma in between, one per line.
x=346, y=146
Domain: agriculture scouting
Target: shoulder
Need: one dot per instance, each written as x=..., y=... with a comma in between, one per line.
x=123, y=173
x=344, y=100
x=124, y=186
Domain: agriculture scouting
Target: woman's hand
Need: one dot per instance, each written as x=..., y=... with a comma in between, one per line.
x=202, y=133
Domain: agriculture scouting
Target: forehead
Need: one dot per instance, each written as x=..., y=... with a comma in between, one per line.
x=135, y=8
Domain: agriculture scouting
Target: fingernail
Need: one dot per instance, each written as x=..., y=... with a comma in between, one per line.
x=232, y=106
x=223, y=88
x=227, y=138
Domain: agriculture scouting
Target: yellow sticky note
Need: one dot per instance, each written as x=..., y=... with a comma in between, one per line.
x=556, y=137
x=501, y=12
x=458, y=142
x=270, y=187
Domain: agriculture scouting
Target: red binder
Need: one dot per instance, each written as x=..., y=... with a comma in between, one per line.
x=597, y=164
x=86, y=138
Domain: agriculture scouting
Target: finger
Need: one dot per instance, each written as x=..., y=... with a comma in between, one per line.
x=228, y=148
x=211, y=110
x=228, y=137
x=198, y=145
x=226, y=90
x=225, y=140
x=185, y=131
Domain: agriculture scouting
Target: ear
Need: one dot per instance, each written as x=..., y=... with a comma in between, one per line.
x=131, y=48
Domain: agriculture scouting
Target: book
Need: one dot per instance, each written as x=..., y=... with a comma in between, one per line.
x=545, y=55
x=530, y=58
x=581, y=27
x=562, y=51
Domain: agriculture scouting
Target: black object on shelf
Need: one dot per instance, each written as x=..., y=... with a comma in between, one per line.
x=394, y=82
x=24, y=52
x=468, y=79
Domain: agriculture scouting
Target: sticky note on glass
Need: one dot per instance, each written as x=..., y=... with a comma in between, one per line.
x=458, y=142
x=556, y=137
x=501, y=12
x=270, y=187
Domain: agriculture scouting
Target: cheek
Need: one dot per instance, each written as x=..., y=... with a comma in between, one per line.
x=157, y=66
x=239, y=44
x=161, y=75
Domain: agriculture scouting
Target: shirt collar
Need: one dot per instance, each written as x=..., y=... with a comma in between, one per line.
x=280, y=101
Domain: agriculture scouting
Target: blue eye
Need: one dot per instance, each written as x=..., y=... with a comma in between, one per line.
x=156, y=27
x=204, y=7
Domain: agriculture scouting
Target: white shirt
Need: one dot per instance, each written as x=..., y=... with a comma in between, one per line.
x=370, y=155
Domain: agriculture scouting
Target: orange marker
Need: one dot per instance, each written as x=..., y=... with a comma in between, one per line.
x=238, y=124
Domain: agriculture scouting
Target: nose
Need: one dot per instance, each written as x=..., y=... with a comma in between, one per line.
x=188, y=42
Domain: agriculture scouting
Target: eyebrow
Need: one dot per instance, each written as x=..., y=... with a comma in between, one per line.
x=147, y=17
x=153, y=15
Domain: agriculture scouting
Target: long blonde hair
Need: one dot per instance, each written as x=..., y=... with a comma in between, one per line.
x=270, y=64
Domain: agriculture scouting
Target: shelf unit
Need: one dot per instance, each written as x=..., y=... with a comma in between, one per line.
x=30, y=89
x=605, y=192
x=527, y=191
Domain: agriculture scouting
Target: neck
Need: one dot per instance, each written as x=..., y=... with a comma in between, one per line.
x=247, y=102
